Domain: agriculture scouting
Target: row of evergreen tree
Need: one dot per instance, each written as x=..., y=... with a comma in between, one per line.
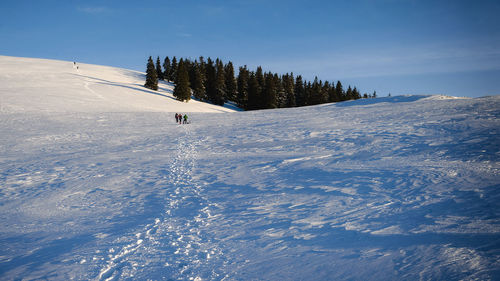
x=215, y=82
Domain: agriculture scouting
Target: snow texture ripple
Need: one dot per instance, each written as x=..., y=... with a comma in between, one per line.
x=177, y=246
x=98, y=182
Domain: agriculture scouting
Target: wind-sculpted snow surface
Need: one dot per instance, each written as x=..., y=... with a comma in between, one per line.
x=177, y=245
x=401, y=188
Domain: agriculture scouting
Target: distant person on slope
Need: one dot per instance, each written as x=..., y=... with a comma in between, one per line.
x=176, y=118
x=185, y=119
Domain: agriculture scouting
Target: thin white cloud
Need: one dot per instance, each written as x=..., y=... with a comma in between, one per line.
x=92, y=10
x=213, y=11
x=185, y=35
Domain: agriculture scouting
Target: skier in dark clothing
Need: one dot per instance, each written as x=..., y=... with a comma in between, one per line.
x=176, y=118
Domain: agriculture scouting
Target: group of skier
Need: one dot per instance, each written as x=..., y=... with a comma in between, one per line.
x=181, y=119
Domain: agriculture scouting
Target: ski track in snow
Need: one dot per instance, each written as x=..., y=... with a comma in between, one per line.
x=176, y=246
x=87, y=86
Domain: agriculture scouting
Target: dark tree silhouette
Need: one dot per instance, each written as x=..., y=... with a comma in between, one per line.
x=151, y=76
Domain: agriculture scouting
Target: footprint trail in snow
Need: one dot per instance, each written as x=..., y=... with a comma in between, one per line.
x=177, y=246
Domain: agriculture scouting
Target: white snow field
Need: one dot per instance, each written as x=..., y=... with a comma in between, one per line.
x=49, y=86
x=99, y=183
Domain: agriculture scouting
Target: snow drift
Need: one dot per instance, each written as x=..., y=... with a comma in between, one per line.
x=400, y=188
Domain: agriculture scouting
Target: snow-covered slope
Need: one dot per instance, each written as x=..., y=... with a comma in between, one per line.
x=37, y=85
x=401, y=188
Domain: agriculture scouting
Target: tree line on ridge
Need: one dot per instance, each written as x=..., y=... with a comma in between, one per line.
x=215, y=82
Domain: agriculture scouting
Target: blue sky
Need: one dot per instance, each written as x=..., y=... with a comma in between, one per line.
x=391, y=46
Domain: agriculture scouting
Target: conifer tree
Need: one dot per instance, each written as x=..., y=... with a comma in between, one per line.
x=307, y=92
x=339, y=91
x=167, y=69
x=151, y=76
x=210, y=80
x=348, y=93
x=202, y=62
x=242, y=96
x=190, y=68
x=203, y=74
x=198, y=84
x=253, y=92
x=325, y=92
x=332, y=94
x=314, y=96
x=280, y=91
x=269, y=92
x=231, y=86
x=182, y=91
x=173, y=72
x=259, y=75
x=220, y=84
x=355, y=94
x=289, y=84
x=159, y=73
x=300, y=97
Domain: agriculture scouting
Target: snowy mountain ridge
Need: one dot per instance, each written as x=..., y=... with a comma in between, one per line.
x=60, y=86
x=111, y=188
